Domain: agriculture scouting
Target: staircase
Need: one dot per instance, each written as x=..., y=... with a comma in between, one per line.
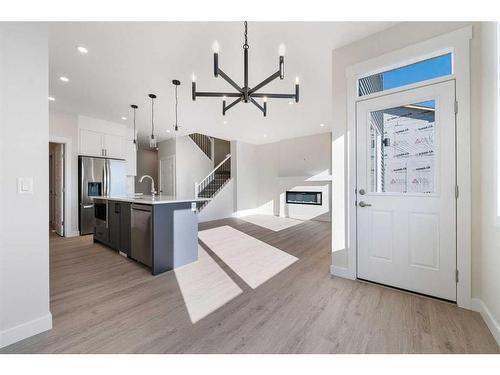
x=214, y=182
x=204, y=142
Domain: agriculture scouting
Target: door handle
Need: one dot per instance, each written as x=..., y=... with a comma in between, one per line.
x=364, y=204
x=88, y=206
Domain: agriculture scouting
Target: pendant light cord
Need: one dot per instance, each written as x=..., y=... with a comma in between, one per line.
x=176, y=102
x=246, y=36
x=135, y=141
x=152, y=117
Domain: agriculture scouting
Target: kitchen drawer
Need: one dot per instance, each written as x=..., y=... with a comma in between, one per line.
x=101, y=233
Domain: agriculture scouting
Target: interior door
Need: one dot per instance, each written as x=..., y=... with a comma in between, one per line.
x=58, y=189
x=406, y=190
x=167, y=176
x=51, y=188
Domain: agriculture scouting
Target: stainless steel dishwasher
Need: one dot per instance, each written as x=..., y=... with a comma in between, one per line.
x=141, y=249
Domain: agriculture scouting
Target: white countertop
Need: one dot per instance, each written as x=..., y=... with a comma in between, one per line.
x=148, y=199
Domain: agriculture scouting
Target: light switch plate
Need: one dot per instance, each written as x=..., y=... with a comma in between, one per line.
x=25, y=185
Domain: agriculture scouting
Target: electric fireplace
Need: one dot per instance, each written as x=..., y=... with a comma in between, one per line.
x=304, y=197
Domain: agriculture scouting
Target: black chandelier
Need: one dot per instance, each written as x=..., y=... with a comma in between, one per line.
x=246, y=94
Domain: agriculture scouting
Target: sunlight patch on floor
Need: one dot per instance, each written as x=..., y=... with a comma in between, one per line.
x=274, y=223
x=205, y=286
x=253, y=260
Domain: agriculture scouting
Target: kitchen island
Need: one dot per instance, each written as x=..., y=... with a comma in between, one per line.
x=160, y=232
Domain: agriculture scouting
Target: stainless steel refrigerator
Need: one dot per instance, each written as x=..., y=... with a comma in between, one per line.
x=98, y=177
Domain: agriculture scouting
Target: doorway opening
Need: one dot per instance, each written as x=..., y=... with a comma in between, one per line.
x=57, y=188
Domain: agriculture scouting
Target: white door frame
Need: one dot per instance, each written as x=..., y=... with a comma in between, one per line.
x=174, y=171
x=68, y=224
x=456, y=42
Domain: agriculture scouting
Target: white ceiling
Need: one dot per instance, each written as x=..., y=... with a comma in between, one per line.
x=127, y=61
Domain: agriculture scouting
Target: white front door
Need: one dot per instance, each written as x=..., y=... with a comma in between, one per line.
x=406, y=190
x=167, y=175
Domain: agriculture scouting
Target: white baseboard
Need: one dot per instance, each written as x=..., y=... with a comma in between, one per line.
x=342, y=272
x=243, y=213
x=25, y=330
x=494, y=326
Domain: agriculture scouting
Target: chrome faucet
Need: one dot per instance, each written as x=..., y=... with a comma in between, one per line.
x=153, y=191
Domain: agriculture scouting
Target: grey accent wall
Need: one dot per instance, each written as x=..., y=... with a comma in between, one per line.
x=147, y=163
x=221, y=149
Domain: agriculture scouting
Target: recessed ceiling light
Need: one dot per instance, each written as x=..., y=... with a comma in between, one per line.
x=82, y=49
x=51, y=98
x=124, y=118
x=321, y=125
x=224, y=122
x=265, y=135
x=168, y=130
x=290, y=102
x=64, y=79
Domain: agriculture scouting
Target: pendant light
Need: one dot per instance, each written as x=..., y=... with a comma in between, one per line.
x=176, y=84
x=152, y=139
x=134, y=107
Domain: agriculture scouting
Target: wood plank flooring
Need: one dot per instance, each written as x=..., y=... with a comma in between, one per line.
x=104, y=303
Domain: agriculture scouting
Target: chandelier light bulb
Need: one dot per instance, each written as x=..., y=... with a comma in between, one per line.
x=297, y=80
x=282, y=50
x=215, y=47
x=264, y=99
x=224, y=98
x=193, y=77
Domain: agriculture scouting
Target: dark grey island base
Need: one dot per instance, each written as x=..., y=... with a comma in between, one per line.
x=161, y=233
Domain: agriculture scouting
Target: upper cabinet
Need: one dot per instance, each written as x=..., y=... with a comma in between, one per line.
x=91, y=143
x=114, y=146
x=106, y=139
x=94, y=143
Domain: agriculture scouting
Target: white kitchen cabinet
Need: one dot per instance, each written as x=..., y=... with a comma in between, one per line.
x=107, y=139
x=91, y=143
x=94, y=143
x=114, y=146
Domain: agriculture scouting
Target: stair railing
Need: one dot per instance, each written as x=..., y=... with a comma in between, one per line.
x=204, y=142
x=223, y=166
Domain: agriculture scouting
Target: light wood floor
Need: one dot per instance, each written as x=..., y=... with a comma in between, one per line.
x=104, y=303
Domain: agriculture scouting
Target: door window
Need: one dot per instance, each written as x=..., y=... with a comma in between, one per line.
x=420, y=71
x=402, y=149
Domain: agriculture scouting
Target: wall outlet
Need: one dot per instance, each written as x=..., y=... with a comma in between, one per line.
x=25, y=185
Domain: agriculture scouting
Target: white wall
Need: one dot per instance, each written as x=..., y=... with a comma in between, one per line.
x=221, y=206
x=245, y=171
x=264, y=173
x=166, y=148
x=486, y=226
x=299, y=164
x=109, y=127
x=65, y=125
x=24, y=143
x=191, y=165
